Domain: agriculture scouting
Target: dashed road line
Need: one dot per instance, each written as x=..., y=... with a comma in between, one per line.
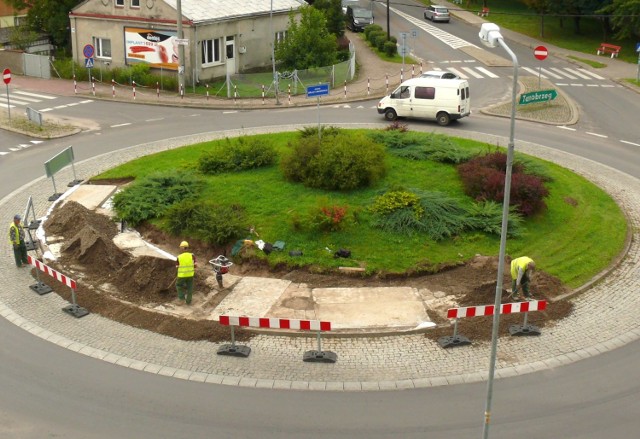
x=120, y=125
x=597, y=135
x=630, y=143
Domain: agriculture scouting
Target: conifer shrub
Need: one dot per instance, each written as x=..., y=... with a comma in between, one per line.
x=238, y=155
x=209, y=222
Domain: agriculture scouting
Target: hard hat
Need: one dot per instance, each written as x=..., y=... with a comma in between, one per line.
x=184, y=244
x=17, y=216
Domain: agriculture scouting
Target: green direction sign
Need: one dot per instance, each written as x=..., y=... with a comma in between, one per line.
x=538, y=96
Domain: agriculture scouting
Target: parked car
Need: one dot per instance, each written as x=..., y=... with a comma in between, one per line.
x=436, y=13
x=358, y=18
x=439, y=74
x=346, y=3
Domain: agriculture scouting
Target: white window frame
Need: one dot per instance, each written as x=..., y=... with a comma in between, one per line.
x=208, y=52
x=98, y=44
x=135, y=3
x=119, y=3
x=281, y=36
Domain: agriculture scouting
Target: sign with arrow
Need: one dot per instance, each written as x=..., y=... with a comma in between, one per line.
x=538, y=96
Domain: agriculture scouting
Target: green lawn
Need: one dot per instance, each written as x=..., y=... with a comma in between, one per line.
x=580, y=233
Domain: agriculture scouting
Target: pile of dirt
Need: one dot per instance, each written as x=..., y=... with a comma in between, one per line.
x=147, y=280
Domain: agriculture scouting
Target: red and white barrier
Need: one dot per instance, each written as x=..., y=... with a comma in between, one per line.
x=275, y=323
x=53, y=273
x=488, y=310
x=74, y=309
x=232, y=349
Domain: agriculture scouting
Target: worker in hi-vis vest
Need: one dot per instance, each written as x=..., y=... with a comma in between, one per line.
x=16, y=237
x=186, y=264
x=522, y=270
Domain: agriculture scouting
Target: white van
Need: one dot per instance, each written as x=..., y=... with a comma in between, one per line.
x=442, y=100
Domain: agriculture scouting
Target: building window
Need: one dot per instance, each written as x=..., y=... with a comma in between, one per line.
x=211, y=51
x=120, y=3
x=280, y=36
x=103, y=47
x=135, y=3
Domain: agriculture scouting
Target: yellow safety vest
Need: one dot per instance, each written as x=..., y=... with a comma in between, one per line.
x=520, y=262
x=17, y=234
x=186, y=267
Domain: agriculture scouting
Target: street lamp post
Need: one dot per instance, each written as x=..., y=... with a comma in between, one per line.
x=273, y=54
x=491, y=37
x=181, y=55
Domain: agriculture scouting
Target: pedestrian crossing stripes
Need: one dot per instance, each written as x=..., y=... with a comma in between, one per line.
x=19, y=97
x=448, y=39
x=20, y=146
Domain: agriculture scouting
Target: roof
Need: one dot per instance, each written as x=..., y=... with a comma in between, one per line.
x=214, y=10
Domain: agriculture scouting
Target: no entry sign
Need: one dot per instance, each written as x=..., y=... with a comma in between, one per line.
x=6, y=76
x=540, y=52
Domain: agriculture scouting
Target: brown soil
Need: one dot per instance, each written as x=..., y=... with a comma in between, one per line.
x=114, y=284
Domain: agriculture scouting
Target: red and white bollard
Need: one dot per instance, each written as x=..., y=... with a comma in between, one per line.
x=413, y=70
x=368, y=86
x=420, y=68
x=235, y=93
x=113, y=88
x=134, y=90
x=386, y=82
x=289, y=93
x=93, y=85
x=158, y=89
x=75, y=85
x=401, y=75
x=345, y=89
x=262, y=94
x=207, y=87
x=181, y=92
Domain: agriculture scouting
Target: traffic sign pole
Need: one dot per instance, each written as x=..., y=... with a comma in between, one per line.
x=6, y=77
x=540, y=53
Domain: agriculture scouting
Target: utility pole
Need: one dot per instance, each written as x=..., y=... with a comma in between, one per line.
x=388, y=26
x=180, y=49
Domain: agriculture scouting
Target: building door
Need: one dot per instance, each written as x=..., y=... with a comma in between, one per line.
x=231, y=55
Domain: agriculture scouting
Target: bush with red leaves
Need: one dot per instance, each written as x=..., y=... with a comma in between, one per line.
x=483, y=179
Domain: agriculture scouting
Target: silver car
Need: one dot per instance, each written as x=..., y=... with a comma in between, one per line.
x=436, y=13
x=439, y=74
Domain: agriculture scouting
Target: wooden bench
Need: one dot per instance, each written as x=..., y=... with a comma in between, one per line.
x=608, y=48
x=484, y=12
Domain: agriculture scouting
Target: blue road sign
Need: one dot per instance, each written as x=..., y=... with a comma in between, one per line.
x=637, y=47
x=314, y=91
x=88, y=63
x=88, y=51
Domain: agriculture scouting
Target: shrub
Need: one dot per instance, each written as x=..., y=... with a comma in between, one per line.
x=486, y=216
x=483, y=179
x=371, y=28
x=396, y=200
x=312, y=131
x=379, y=42
x=238, y=155
x=329, y=218
x=389, y=48
x=396, y=125
x=373, y=35
x=151, y=196
x=210, y=223
x=342, y=162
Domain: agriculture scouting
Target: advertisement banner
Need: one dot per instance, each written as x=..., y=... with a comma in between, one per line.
x=159, y=48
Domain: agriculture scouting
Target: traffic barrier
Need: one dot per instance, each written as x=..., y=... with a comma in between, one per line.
x=74, y=309
x=30, y=225
x=488, y=310
x=318, y=356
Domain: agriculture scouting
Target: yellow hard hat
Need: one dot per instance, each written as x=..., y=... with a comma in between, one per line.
x=184, y=244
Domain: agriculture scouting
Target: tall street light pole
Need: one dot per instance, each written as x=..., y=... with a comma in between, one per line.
x=273, y=55
x=491, y=37
x=180, y=49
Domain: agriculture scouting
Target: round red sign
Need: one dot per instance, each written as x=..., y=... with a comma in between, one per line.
x=540, y=52
x=6, y=76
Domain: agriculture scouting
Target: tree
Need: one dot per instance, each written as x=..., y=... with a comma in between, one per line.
x=624, y=17
x=332, y=10
x=578, y=9
x=49, y=16
x=308, y=43
x=542, y=7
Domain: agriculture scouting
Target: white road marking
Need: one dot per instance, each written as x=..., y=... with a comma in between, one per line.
x=587, y=72
x=458, y=72
x=549, y=73
x=577, y=73
x=562, y=72
x=533, y=72
x=577, y=85
x=154, y=120
x=487, y=72
x=35, y=95
x=20, y=99
x=44, y=110
x=4, y=153
x=597, y=135
x=448, y=39
x=121, y=125
x=15, y=101
x=563, y=127
x=630, y=143
x=472, y=72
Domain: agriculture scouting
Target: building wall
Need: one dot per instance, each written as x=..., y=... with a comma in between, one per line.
x=251, y=35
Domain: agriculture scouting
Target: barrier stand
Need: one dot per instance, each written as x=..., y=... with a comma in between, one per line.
x=55, y=164
x=526, y=329
x=74, y=309
x=39, y=287
x=31, y=225
x=488, y=310
x=455, y=339
x=318, y=356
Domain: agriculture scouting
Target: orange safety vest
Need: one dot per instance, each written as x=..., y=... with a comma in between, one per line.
x=186, y=266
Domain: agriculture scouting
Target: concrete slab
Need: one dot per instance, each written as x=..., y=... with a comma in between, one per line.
x=370, y=308
x=489, y=59
x=91, y=196
x=133, y=243
x=252, y=296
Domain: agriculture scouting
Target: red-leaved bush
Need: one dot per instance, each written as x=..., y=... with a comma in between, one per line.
x=483, y=179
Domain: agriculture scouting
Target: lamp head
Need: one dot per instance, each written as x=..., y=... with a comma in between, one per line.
x=490, y=34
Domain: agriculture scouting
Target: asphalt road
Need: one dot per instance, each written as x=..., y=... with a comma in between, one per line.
x=52, y=392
